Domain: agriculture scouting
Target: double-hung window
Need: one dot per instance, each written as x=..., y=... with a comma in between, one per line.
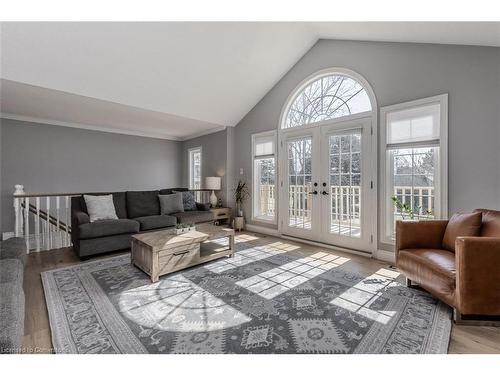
x=415, y=167
x=264, y=176
x=194, y=168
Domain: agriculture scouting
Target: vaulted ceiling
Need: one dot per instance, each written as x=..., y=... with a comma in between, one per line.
x=173, y=80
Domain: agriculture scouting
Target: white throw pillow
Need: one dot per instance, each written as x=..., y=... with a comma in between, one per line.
x=100, y=207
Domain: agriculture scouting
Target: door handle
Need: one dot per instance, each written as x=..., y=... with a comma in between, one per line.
x=315, y=192
x=324, y=192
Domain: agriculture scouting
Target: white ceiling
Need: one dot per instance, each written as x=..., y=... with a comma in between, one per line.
x=174, y=80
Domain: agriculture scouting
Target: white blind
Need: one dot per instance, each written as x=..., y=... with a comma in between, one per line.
x=264, y=145
x=418, y=124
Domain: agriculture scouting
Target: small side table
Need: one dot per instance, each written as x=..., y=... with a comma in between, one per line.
x=239, y=223
x=221, y=213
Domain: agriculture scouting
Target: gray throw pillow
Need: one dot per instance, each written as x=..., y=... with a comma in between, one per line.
x=171, y=203
x=100, y=207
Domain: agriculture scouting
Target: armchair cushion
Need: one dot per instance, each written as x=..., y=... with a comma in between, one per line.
x=461, y=225
x=433, y=269
x=491, y=222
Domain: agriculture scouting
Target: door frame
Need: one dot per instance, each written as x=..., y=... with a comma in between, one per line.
x=368, y=202
x=373, y=161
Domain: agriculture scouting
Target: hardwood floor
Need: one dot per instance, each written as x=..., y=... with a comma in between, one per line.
x=37, y=339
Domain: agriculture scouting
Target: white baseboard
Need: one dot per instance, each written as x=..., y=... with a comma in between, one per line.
x=263, y=230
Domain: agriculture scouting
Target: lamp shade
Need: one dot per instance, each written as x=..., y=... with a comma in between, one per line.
x=212, y=183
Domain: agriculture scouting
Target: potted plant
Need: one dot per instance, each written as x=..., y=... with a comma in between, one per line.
x=406, y=211
x=240, y=194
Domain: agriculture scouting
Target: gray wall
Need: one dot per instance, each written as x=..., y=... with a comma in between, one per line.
x=401, y=72
x=46, y=158
x=213, y=159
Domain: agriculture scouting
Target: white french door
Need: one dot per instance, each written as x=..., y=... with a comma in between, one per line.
x=326, y=192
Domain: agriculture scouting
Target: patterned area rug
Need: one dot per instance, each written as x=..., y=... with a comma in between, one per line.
x=268, y=298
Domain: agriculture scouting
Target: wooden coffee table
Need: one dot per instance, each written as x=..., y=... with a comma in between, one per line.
x=162, y=252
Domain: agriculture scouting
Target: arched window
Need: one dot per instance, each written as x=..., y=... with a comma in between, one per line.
x=325, y=98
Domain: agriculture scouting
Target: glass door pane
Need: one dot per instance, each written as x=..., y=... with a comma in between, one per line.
x=345, y=184
x=300, y=202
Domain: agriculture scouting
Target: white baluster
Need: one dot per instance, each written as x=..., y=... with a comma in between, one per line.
x=37, y=224
x=49, y=236
x=27, y=222
x=67, y=208
x=58, y=233
x=18, y=190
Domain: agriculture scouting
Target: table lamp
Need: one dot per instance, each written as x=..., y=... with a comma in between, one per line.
x=212, y=183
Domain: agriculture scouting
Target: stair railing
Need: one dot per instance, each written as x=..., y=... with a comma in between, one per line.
x=43, y=219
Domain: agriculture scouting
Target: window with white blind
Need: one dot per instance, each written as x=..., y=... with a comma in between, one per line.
x=195, y=168
x=415, y=169
x=264, y=176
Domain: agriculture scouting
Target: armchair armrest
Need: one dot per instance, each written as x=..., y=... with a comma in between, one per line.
x=81, y=217
x=477, y=261
x=202, y=206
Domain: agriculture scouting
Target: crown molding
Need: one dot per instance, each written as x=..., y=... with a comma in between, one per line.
x=104, y=129
x=206, y=132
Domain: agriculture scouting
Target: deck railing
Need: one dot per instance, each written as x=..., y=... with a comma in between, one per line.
x=346, y=202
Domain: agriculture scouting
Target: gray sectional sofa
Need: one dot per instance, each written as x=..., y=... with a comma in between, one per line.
x=137, y=211
x=12, y=261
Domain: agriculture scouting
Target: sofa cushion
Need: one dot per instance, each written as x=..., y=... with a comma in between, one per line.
x=100, y=207
x=490, y=223
x=461, y=225
x=13, y=248
x=142, y=203
x=11, y=317
x=171, y=203
x=103, y=228
x=433, y=269
x=193, y=217
x=119, y=201
x=11, y=271
x=156, y=221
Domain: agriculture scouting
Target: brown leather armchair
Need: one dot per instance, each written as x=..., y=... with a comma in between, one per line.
x=467, y=279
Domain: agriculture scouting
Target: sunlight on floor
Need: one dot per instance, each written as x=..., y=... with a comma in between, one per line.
x=278, y=280
x=247, y=256
x=361, y=296
x=177, y=304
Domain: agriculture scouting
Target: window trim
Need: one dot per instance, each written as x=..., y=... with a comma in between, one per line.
x=255, y=136
x=191, y=151
x=320, y=74
x=442, y=174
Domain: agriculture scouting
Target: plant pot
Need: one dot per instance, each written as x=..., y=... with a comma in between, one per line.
x=184, y=230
